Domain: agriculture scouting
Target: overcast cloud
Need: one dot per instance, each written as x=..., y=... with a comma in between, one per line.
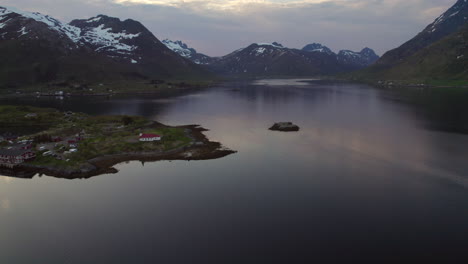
x=216, y=27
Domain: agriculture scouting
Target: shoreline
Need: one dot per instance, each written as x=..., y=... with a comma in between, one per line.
x=201, y=148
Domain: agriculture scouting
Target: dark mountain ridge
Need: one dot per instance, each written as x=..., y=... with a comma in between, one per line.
x=36, y=48
x=449, y=22
x=436, y=53
x=185, y=51
x=273, y=59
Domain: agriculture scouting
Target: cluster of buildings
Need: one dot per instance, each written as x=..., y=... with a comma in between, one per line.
x=15, y=154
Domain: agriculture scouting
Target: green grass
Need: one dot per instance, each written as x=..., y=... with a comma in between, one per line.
x=104, y=135
x=444, y=63
x=172, y=137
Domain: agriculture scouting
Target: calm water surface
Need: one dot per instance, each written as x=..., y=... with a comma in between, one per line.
x=370, y=177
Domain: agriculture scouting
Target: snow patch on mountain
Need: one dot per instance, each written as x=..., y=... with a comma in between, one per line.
x=108, y=40
x=260, y=50
x=23, y=31
x=2, y=25
x=179, y=47
x=317, y=47
x=449, y=14
x=274, y=44
x=94, y=19
x=349, y=53
x=72, y=32
x=185, y=51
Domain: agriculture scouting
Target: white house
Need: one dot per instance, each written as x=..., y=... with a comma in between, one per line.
x=149, y=137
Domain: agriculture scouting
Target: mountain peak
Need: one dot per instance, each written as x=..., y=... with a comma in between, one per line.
x=185, y=51
x=109, y=47
x=179, y=47
x=317, y=47
x=449, y=22
x=274, y=44
x=365, y=57
x=368, y=51
x=10, y=16
x=456, y=16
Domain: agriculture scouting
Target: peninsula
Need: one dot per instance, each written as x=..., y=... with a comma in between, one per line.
x=76, y=145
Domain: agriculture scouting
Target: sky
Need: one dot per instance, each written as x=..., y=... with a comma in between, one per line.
x=217, y=27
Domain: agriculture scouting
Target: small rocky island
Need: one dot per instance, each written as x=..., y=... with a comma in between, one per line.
x=285, y=127
x=75, y=145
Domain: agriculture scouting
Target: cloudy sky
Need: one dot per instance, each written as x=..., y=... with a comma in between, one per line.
x=218, y=27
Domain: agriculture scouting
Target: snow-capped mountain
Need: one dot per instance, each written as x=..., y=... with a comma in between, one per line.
x=17, y=24
x=100, y=34
x=317, y=47
x=181, y=48
x=273, y=59
x=185, y=51
x=360, y=59
x=438, y=52
x=449, y=22
x=455, y=17
x=47, y=49
x=363, y=58
x=127, y=41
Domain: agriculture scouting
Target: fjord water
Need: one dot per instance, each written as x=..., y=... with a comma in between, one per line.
x=372, y=176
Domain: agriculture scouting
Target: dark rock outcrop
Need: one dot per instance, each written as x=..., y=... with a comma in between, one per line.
x=285, y=127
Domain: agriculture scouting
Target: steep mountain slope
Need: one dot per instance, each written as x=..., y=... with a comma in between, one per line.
x=130, y=42
x=363, y=58
x=273, y=59
x=449, y=22
x=444, y=60
x=183, y=50
x=438, y=52
x=36, y=48
x=317, y=47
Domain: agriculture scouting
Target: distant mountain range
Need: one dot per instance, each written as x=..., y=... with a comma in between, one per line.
x=273, y=59
x=36, y=48
x=440, y=51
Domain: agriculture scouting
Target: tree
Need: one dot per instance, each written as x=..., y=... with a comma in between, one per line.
x=127, y=120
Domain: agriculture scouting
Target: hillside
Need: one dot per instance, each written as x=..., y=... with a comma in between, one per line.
x=444, y=60
x=437, y=53
x=36, y=48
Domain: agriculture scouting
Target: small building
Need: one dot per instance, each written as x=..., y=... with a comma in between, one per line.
x=23, y=146
x=15, y=156
x=149, y=137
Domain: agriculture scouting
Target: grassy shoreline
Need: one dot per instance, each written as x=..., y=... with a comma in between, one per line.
x=70, y=143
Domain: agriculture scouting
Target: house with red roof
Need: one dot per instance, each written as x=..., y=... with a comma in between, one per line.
x=150, y=137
